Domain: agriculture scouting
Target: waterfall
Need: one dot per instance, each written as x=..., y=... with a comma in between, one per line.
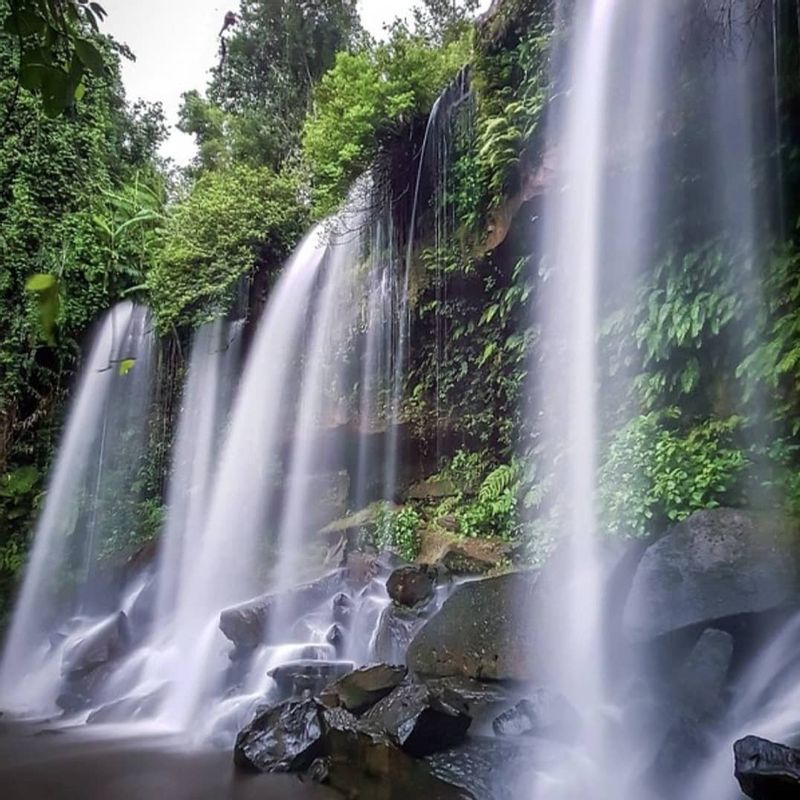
x=69, y=586
x=610, y=132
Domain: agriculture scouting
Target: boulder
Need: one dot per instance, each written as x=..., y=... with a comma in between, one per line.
x=418, y=720
x=702, y=679
x=397, y=626
x=285, y=738
x=546, y=713
x=358, y=691
x=246, y=625
x=364, y=764
x=296, y=678
x=96, y=647
x=767, y=771
x=697, y=697
x=460, y=556
x=718, y=563
x=482, y=631
x=412, y=585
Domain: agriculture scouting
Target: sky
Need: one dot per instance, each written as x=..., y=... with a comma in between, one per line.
x=175, y=43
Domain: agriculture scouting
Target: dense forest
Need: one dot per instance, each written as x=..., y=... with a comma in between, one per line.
x=444, y=410
x=300, y=104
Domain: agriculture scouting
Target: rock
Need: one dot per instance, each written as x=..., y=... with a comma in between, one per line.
x=419, y=721
x=246, y=625
x=98, y=646
x=296, y=678
x=360, y=690
x=482, y=631
x=363, y=764
x=461, y=556
x=546, y=713
x=767, y=771
x=718, y=563
x=127, y=709
x=285, y=738
x=432, y=489
x=335, y=638
x=330, y=492
x=702, y=679
x=396, y=628
x=697, y=697
x=411, y=586
x=494, y=769
x=342, y=608
x=355, y=529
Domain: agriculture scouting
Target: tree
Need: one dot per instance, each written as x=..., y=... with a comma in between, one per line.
x=54, y=49
x=276, y=52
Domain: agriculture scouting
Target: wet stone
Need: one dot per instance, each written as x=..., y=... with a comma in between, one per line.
x=360, y=690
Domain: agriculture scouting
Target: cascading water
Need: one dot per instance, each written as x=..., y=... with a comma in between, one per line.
x=613, y=139
x=69, y=588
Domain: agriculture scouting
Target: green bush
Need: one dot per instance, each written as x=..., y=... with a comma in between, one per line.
x=655, y=472
x=232, y=221
x=367, y=98
x=398, y=530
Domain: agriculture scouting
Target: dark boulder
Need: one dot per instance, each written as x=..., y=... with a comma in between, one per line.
x=718, y=563
x=546, y=713
x=397, y=626
x=482, y=631
x=100, y=645
x=412, y=585
x=246, y=625
x=695, y=699
x=334, y=636
x=307, y=676
x=285, y=738
x=767, y=771
x=360, y=690
x=418, y=720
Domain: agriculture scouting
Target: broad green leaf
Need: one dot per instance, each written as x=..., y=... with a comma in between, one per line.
x=41, y=282
x=126, y=365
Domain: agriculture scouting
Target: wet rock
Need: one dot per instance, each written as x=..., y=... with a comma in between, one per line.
x=461, y=556
x=334, y=636
x=716, y=564
x=482, y=631
x=360, y=690
x=246, y=624
x=363, y=764
x=767, y=771
x=101, y=644
x=418, y=720
x=546, y=713
x=396, y=628
x=493, y=769
x=296, y=678
x=127, y=709
x=696, y=698
x=702, y=679
x=412, y=585
x=285, y=738
x=342, y=608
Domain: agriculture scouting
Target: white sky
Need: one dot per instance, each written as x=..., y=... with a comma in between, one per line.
x=175, y=43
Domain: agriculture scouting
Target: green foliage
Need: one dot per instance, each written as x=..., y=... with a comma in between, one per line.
x=231, y=222
x=774, y=358
x=677, y=320
x=494, y=511
x=398, y=530
x=259, y=93
x=511, y=76
x=656, y=471
x=367, y=98
x=53, y=48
